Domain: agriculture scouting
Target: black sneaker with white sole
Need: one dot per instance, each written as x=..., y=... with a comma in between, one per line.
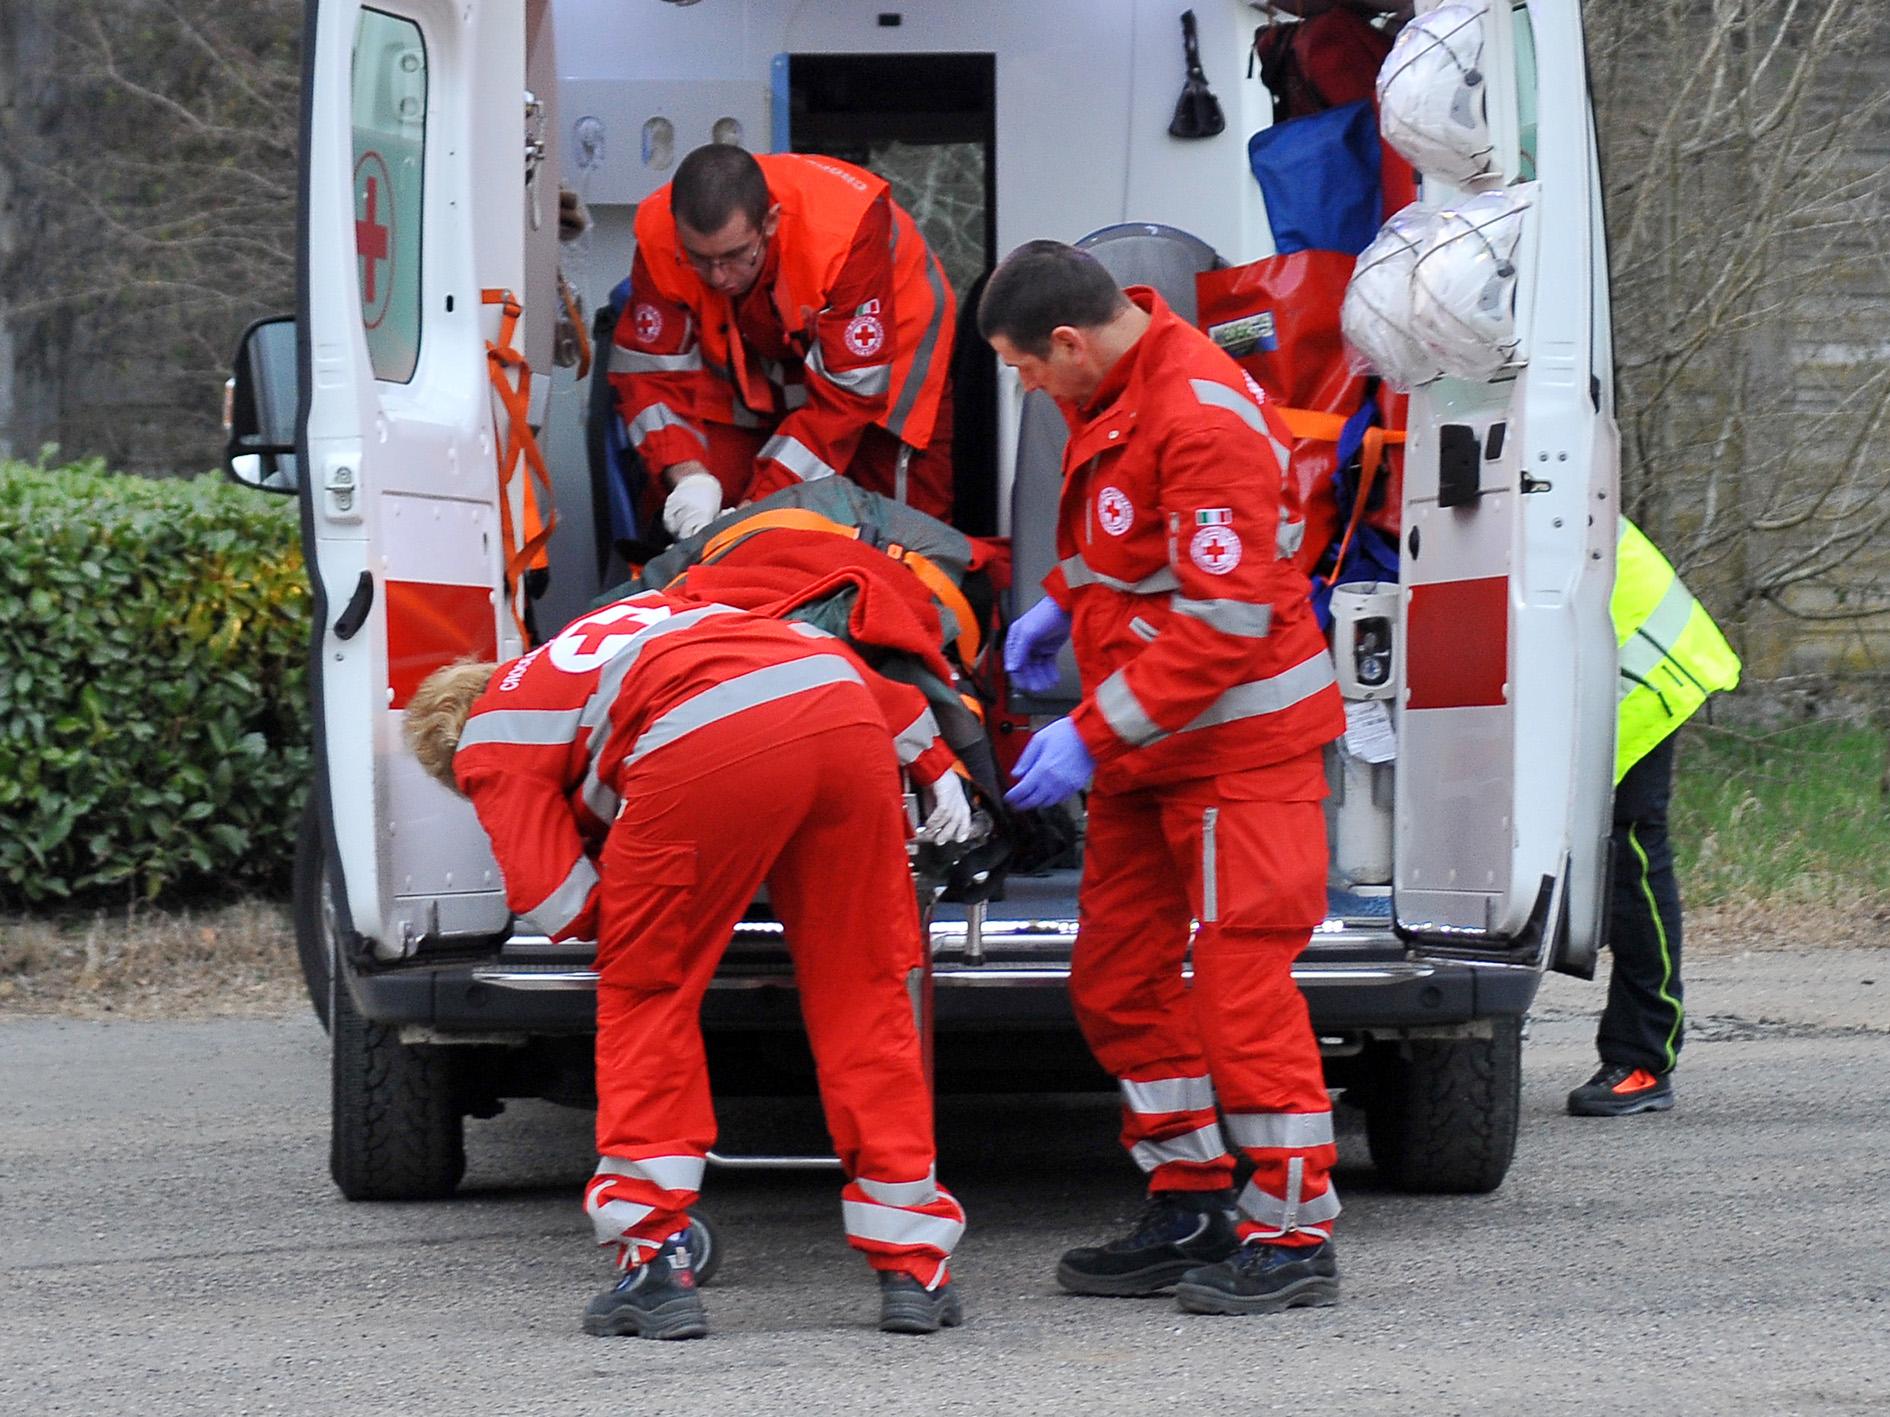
x=1263, y=1279
x=1177, y=1231
x=907, y=1306
x=656, y=1299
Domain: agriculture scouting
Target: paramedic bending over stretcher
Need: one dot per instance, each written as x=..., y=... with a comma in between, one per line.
x=640, y=776
x=786, y=322
x=1207, y=695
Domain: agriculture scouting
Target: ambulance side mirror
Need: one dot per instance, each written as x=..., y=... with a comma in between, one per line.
x=260, y=402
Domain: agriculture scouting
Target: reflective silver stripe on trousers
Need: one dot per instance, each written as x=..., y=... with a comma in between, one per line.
x=1203, y=1144
x=916, y=736
x=635, y=361
x=901, y=470
x=922, y=356
x=557, y=910
x=1245, y=409
x=1155, y=1096
x=865, y=1221
x=1281, y=1216
x=1280, y=1130
x=1076, y=572
x=920, y=1192
x=868, y=382
x=1130, y=722
x=537, y=728
x=1230, y=617
x=1210, y=868
x=658, y=416
x=671, y=1173
x=796, y=457
x=613, y=1218
x=743, y=692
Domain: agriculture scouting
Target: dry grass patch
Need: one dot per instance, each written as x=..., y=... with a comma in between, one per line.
x=143, y=962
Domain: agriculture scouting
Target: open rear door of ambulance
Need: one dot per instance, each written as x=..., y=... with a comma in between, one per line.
x=411, y=208
x=1506, y=720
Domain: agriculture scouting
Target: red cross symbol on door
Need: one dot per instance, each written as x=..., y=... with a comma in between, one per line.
x=370, y=239
x=374, y=235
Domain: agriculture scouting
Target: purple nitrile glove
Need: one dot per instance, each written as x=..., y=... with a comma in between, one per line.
x=1056, y=764
x=1030, y=649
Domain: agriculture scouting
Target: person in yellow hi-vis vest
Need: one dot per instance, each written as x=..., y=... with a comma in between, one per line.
x=1672, y=656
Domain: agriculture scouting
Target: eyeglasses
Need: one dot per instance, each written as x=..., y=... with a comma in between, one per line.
x=728, y=260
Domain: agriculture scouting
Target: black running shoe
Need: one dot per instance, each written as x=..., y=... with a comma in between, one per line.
x=657, y=1299
x=1263, y=1279
x=907, y=1306
x=1617, y=1090
x=1176, y=1232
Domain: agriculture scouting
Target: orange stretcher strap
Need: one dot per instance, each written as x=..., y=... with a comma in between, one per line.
x=524, y=548
x=1318, y=427
x=576, y=317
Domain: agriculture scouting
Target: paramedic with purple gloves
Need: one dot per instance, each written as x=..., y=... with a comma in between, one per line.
x=1208, y=696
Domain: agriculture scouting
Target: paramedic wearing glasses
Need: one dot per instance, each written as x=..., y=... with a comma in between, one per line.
x=786, y=322
x=640, y=776
x=1207, y=696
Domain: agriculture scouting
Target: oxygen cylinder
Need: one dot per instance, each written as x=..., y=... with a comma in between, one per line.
x=1365, y=650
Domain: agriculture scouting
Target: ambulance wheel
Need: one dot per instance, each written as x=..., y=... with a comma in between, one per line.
x=396, y=1129
x=315, y=922
x=705, y=1247
x=1441, y=1113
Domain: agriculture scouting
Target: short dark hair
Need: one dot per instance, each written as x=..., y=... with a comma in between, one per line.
x=713, y=183
x=1043, y=284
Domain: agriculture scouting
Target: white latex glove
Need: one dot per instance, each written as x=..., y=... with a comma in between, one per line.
x=694, y=502
x=951, y=812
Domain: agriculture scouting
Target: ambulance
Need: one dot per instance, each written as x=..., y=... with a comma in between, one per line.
x=430, y=406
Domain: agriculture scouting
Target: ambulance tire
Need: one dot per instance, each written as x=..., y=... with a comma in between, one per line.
x=704, y=1244
x=1441, y=1113
x=314, y=912
x=397, y=1130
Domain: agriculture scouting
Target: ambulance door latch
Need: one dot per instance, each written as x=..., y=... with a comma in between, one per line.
x=355, y=614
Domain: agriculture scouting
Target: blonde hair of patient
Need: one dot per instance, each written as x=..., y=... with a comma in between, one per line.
x=437, y=713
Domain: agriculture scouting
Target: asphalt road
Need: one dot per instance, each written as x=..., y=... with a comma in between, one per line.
x=169, y=1244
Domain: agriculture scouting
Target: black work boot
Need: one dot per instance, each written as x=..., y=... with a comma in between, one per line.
x=1263, y=1279
x=656, y=1299
x=1176, y=1232
x=907, y=1306
x=1618, y=1090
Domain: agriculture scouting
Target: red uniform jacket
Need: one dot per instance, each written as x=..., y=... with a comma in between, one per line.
x=546, y=748
x=1176, y=529
x=848, y=325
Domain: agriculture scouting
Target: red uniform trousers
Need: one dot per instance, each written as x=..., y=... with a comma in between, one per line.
x=804, y=795
x=731, y=452
x=1252, y=871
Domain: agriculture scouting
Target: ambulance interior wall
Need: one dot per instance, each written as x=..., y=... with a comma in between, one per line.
x=1084, y=97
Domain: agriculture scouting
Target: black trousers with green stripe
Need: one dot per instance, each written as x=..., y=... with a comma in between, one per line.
x=1641, y=1027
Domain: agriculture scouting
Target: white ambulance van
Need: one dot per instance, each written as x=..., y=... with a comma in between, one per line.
x=436, y=137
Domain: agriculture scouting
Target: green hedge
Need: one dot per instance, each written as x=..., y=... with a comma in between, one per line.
x=153, y=684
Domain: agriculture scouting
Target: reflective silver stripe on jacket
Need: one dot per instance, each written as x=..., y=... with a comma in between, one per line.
x=796, y=457
x=922, y=356
x=1210, y=867
x=1076, y=572
x=1202, y=1144
x=1281, y=1216
x=920, y=1192
x=1230, y=617
x=1245, y=409
x=670, y=1173
x=656, y=417
x=534, y=728
x=1654, y=638
x=868, y=382
x=888, y=1226
x=557, y=910
x=1288, y=1130
x=743, y=692
x=1130, y=722
x=1156, y=1096
x=1288, y=538
x=635, y=361
x=916, y=736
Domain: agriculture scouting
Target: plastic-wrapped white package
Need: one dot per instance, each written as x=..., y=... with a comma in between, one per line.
x=1376, y=314
x=1463, y=286
x=1431, y=94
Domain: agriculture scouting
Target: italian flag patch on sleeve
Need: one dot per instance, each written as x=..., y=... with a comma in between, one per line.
x=1214, y=516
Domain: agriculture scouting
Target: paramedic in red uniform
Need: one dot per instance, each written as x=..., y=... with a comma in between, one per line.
x=1207, y=695
x=786, y=322
x=640, y=776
